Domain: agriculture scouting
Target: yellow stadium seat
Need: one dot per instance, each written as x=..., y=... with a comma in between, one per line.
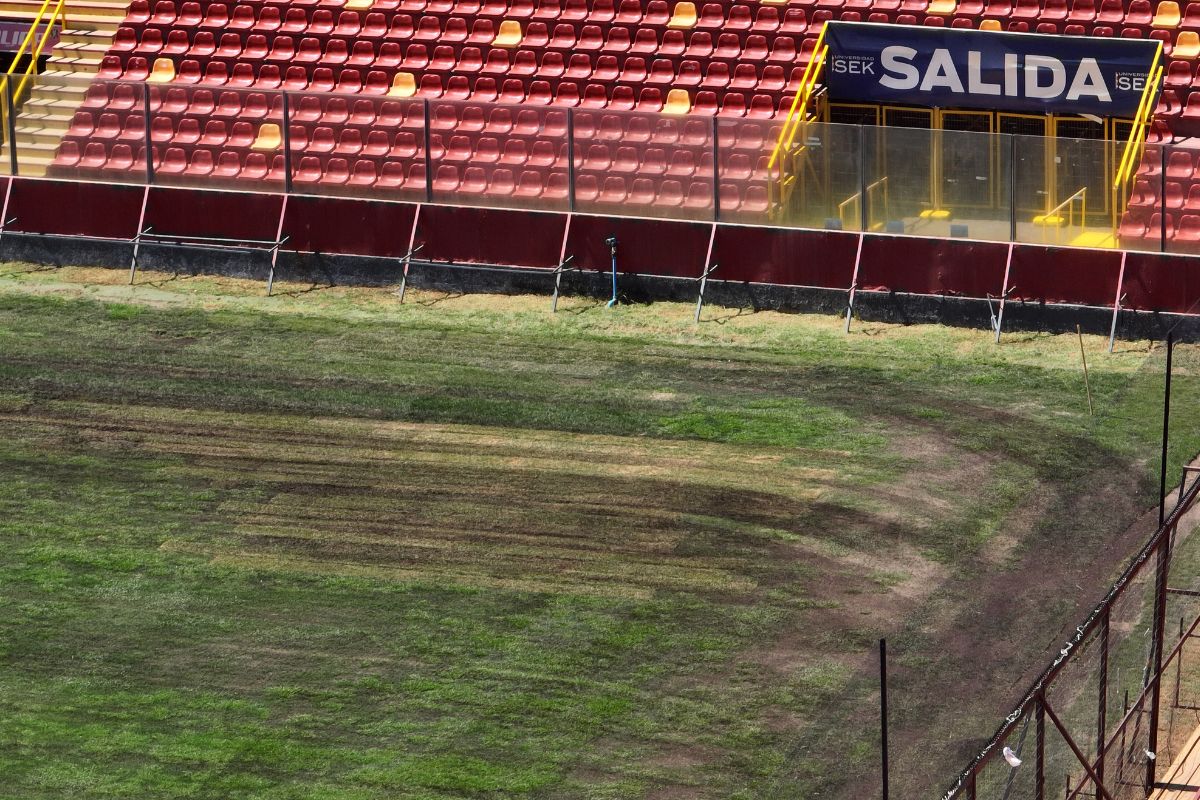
x=942, y=7
x=677, y=102
x=684, y=15
x=509, y=34
x=269, y=137
x=1167, y=15
x=163, y=72
x=403, y=85
x=1187, y=46
x=990, y=25
x=359, y=5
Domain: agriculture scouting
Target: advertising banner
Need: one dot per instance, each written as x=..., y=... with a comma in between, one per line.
x=13, y=33
x=964, y=68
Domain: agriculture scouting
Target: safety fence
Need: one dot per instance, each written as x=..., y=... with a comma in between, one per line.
x=1109, y=716
x=913, y=181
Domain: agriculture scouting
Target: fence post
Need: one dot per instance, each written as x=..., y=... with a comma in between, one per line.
x=1039, y=775
x=571, y=159
x=11, y=107
x=1166, y=431
x=1162, y=188
x=149, y=138
x=864, y=216
x=1156, y=650
x=1012, y=187
x=1102, y=697
x=287, y=143
x=428, y=155
x=883, y=714
x=716, y=177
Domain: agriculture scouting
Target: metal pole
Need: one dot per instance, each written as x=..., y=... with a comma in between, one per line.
x=428, y=156
x=1112, y=331
x=1160, y=620
x=1012, y=188
x=11, y=107
x=149, y=138
x=570, y=160
x=863, y=211
x=287, y=145
x=1162, y=217
x=883, y=714
x=716, y=168
x=1102, y=697
x=1162, y=476
x=1039, y=776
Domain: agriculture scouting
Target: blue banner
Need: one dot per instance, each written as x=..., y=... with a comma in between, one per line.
x=964, y=68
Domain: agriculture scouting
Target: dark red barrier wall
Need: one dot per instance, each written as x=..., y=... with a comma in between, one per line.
x=340, y=225
x=1083, y=277
x=231, y=215
x=648, y=247
x=490, y=236
x=797, y=258
x=932, y=266
x=1162, y=283
x=656, y=247
x=75, y=209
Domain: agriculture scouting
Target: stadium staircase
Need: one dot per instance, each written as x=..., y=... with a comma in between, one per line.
x=46, y=115
x=379, y=61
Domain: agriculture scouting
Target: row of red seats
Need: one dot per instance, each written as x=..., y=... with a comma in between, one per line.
x=1182, y=234
x=231, y=62
x=312, y=173
x=568, y=94
x=335, y=110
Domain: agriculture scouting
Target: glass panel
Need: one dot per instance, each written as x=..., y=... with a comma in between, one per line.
x=498, y=155
x=643, y=165
x=358, y=145
x=1064, y=192
x=745, y=181
x=1178, y=197
x=820, y=183
x=104, y=140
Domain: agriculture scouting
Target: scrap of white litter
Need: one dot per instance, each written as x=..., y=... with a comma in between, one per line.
x=1010, y=757
x=1150, y=756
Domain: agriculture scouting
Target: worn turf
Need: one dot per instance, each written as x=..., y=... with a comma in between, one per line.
x=326, y=546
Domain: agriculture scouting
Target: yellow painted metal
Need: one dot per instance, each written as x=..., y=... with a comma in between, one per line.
x=57, y=15
x=795, y=114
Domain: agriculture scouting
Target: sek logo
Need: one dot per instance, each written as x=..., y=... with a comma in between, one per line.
x=847, y=66
x=1038, y=76
x=1133, y=83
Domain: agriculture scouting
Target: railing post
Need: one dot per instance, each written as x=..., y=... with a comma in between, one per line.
x=1102, y=698
x=716, y=176
x=863, y=214
x=1039, y=775
x=1162, y=199
x=571, y=159
x=1160, y=614
x=11, y=110
x=428, y=155
x=1012, y=187
x=148, y=137
x=287, y=142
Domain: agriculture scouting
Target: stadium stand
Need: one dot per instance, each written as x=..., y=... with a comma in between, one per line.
x=657, y=87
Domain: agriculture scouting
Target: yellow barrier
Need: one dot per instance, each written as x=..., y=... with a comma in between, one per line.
x=1141, y=122
x=879, y=186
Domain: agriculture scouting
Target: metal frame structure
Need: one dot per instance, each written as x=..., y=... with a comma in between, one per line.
x=1112, y=772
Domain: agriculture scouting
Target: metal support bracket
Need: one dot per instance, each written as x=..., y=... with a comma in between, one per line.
x=703, y=283
x=137, y=240
x=563, y=266
x=1112, y=331
x=412, y=251
x=279, y=240
x=1005, y=292
x=854, y=282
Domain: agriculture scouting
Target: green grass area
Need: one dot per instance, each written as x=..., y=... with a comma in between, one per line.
x=323, y=545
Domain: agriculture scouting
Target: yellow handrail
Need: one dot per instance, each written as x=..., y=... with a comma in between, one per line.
x=25, y=43
x=45, y=37
x=791, y=122
x=1069, y=205
x=1141, y=121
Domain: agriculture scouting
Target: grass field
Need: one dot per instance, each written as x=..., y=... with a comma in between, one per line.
x=326, y=546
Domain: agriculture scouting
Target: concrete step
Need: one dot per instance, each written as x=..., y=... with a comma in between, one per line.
x=32, y=137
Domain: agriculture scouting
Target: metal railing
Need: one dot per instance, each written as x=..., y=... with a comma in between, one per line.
x=1086, y=727
x=47, y=17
